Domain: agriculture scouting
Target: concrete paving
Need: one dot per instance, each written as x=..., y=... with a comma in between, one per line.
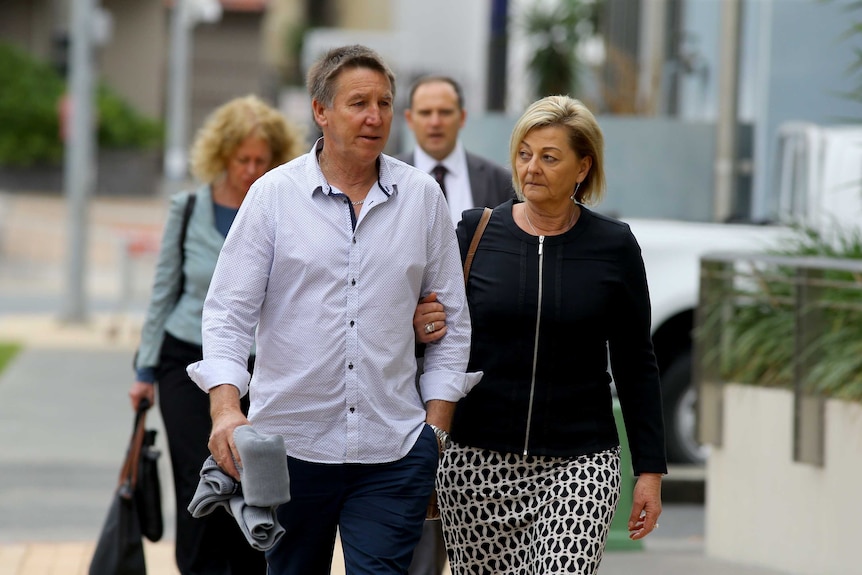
x=65, y=418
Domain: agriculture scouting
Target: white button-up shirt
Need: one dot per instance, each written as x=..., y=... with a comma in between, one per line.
x=459, y=194
x=333, y=298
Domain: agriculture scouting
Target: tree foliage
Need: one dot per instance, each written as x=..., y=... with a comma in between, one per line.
x=759, y=333
x=554, y=29
x=30, y=94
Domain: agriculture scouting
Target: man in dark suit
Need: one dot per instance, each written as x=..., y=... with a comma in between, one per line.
x=436, y=115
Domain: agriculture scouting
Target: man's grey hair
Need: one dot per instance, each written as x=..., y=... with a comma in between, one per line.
x=323, y=74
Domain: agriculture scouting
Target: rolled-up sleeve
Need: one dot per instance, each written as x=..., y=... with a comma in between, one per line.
x=445, y=376
x=207, y=374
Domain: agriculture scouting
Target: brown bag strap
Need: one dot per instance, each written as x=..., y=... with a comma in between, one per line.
x=474, y=244
x=129, y=471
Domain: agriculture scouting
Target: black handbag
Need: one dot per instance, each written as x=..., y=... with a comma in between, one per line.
x=120, y=548
x=148, y=491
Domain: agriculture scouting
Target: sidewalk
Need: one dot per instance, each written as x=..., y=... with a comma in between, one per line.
x=65, y=417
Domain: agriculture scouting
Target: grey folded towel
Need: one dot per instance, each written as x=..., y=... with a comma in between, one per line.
x=259, y=524
x=252, y=502
x=263, y=474
x=214, y=489
x=218, y=489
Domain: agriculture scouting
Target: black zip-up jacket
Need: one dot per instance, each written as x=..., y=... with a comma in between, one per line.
x=548, y=392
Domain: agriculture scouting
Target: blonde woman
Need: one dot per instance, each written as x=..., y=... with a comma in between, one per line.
x=238, y=143
x=531, y=481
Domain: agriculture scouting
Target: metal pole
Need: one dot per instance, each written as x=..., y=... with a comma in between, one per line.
x=728, y=80
x=178, y=89
x=763, y=201
x=497, y=48
x=79, y=160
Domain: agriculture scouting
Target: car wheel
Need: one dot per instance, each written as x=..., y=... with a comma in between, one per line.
x=680, y=413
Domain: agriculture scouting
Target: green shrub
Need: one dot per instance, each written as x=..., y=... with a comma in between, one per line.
x=30, y=92
x=759, y=333
x=8, y=351
x=120, y=126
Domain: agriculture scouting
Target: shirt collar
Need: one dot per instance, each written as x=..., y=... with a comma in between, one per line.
x=318, y=181
x=455, y=162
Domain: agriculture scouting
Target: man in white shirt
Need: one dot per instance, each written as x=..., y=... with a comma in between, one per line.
x=325, y=263
x=436, y=115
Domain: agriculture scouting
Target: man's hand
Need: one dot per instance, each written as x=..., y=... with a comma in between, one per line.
x=226, y=416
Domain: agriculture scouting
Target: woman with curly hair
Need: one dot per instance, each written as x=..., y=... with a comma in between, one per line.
x=238, y=143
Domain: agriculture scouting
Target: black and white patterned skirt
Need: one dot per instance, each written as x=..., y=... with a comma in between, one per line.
x=509, y=514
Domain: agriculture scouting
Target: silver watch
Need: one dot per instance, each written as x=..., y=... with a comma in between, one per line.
x=443, y=438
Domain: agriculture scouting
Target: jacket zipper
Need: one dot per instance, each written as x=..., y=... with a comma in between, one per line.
x=535, y=347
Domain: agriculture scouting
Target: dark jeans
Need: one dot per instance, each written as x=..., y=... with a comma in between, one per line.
x=214, y=544
x=378, y=509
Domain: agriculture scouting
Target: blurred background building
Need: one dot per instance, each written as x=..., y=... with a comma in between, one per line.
x=650, y=69
x=692, y=96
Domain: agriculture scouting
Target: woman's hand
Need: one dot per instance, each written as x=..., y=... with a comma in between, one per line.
x=429, y=319
x=142, y=390
x=646, y=506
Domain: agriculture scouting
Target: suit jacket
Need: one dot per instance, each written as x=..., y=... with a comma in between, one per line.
x=490, y=182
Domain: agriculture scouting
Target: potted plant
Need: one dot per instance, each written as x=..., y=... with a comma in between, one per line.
x=789, y=344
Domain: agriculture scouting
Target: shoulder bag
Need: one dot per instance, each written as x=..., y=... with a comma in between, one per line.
x=433, y=511
x=474, y=243
x=120, y=548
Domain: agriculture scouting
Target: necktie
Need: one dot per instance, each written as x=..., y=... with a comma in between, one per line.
x=439, y=172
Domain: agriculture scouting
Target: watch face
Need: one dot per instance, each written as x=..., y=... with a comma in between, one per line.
x=445, y=440
x=442, y=437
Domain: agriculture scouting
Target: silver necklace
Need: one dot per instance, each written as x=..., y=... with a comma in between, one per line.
x=357, y=203
x=571, y=220
x=529, y=222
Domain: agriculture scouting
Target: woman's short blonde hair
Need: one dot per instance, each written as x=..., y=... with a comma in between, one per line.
x=585, y=138
x=231, y=123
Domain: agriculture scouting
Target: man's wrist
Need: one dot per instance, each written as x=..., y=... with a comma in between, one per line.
x=443, y=439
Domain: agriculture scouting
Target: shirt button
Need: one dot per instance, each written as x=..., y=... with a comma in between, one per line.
x=353, y=282
x=354, y=240
x=352, y=409
x=350, y=366
x=351, y=323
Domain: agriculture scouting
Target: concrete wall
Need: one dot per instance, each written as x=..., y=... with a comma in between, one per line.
x=366, y=15
x=794, y=62
x=28, y=25
x=446, y=37
x=655, y=167
x=227, y=61
x=766, y=510
x=133, y=62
